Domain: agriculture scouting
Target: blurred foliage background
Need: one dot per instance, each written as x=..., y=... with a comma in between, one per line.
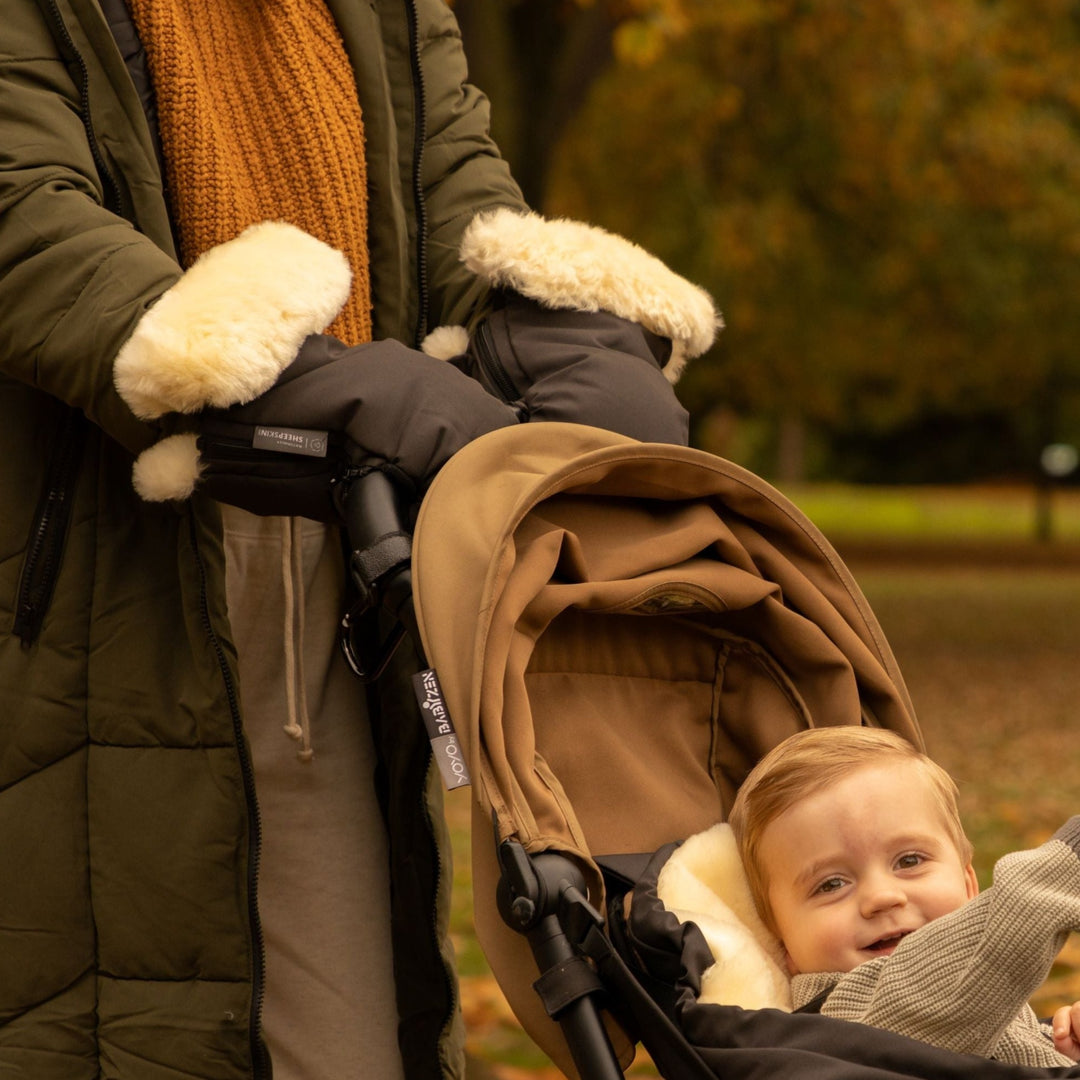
x=883, y=198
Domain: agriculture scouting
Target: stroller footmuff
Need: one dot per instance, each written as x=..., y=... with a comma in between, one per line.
x=621, y=631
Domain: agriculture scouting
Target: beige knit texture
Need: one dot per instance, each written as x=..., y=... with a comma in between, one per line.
x=259, y=121
x=962, y=981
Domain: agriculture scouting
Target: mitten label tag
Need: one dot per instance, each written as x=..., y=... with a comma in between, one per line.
x=289, y=440
x=440, y=729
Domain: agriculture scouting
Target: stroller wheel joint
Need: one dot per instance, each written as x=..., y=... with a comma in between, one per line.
x=522, y=894
x=543, y=897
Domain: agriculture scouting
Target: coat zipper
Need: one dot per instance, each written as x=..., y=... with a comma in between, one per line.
x=419, y=132
x=451, y=984
x=260, y=1059
x=46, y=547
x=111, y=189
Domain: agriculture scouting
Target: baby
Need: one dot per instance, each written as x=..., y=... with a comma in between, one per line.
x=858, y=863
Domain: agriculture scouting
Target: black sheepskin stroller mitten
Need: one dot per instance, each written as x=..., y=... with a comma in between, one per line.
x=586, y=327
x=335, y=412
x=579, y=367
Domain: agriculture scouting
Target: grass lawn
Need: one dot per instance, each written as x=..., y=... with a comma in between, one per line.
x=999, y=514
x=985, y=624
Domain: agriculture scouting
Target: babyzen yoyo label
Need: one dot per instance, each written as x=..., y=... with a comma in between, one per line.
x=290, y=440
x=440, y=729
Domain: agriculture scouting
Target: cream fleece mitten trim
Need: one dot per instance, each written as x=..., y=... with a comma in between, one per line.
x=704, y=882
x=568, y=264
x=236, y=319
x=446, y=342
x=167, y=470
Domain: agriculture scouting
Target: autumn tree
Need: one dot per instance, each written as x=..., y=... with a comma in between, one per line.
x=882, y=197
x=537, y=60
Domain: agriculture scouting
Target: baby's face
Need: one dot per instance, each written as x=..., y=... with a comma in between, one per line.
x=854, y=868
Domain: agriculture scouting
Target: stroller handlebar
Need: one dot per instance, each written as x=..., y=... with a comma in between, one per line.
x=375, y=513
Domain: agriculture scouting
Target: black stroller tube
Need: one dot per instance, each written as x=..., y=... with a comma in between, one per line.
x=582, y=1026
x=374, y=511
x=539, y=896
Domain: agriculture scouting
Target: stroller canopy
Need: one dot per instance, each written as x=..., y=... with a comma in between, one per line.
x=621, y=630
x=729, y=623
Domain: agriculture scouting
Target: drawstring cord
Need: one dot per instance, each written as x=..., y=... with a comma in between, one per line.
x=298, y=726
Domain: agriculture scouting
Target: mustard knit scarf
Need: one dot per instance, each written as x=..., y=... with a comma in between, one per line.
x=260, y=120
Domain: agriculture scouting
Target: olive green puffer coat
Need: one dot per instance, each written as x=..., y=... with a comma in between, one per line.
x=129, y=937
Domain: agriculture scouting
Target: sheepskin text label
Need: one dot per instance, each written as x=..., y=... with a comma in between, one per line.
x=290, y=440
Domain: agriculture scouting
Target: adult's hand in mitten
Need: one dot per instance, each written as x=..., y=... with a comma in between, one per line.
x=337, y=407
x=584, y=367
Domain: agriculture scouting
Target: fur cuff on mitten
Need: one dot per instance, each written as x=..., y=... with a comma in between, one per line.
x=704, y=883
x=222, y=335
x=570, y=265
x=225, y=331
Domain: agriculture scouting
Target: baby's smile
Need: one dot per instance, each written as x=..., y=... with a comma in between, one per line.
x=884, y=946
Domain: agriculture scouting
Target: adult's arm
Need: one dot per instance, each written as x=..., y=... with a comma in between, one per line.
x=481, y=236
x=461, y=171
x=75, y=277
x=93, y=311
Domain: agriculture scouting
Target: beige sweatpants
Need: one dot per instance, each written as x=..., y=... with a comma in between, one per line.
x=329, y=1009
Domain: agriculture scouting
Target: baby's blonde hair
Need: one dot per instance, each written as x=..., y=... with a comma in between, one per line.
x=806, y=763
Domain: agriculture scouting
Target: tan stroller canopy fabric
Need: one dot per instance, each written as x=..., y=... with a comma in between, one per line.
x=728, y=622
x=621, y=630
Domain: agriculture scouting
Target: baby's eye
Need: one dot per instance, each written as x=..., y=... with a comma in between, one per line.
x=830, y=885
x=910, y=860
